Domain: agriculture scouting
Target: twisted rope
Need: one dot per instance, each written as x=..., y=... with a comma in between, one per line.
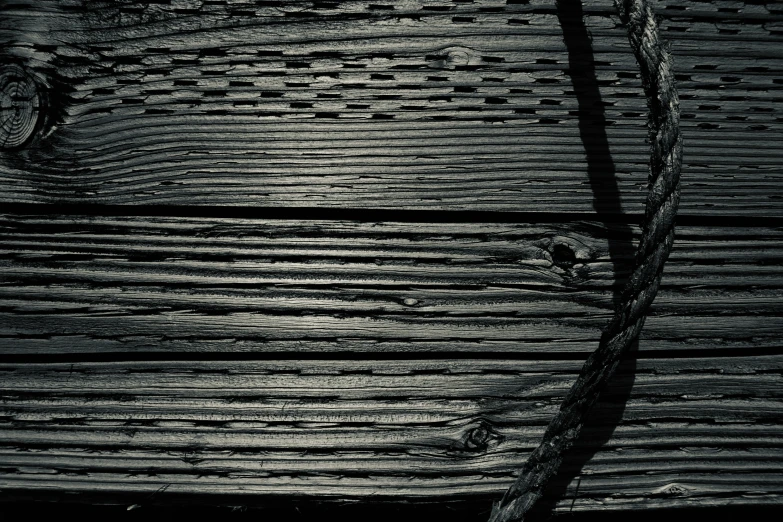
x=637, y=296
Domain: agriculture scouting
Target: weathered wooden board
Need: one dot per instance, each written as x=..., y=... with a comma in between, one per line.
x=695, y=429
x=124, y=284
x=450, y=105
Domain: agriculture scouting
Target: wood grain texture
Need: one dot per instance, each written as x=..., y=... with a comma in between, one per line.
x=450, y=105
x=126, y=284
x=147, y=353
x=696, y=429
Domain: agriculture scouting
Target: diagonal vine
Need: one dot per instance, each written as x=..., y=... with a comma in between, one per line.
x=637, y=296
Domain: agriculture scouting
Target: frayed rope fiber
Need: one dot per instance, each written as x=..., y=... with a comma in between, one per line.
x=637, y=296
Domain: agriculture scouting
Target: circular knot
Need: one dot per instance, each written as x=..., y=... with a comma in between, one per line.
x=455, y=56
x=20, y=106
x=563, y=256
x=480, y=437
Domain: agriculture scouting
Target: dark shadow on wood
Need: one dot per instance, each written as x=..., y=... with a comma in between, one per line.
x=293, y=511
x=601, y=170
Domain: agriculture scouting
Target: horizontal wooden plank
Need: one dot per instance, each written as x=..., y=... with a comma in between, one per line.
x=122, y=284
x=702, y=430
x=466, y=105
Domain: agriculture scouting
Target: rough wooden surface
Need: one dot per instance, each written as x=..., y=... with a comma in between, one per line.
x=447, y=105
x=694, y=429
x=167, y=346
x=507, y=312
x=85, y=284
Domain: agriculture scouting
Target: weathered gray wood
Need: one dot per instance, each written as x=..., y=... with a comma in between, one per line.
x=452, y=105
x=415, y=105
x=85, y=284
x=708, y=429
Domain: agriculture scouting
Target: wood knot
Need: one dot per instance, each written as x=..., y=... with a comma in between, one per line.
x=480, y=437
x=453, y=57
x=21, y=105
x=563, y=256
x=672, y=490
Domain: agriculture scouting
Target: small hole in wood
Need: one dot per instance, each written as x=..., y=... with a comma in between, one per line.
x=563, y=256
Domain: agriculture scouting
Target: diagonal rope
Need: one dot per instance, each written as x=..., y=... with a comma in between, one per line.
x=637, y=296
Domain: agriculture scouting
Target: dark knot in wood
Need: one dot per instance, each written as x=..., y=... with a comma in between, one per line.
x=20, y=106
x=454, y=57
x=480, y=437
x=563, y=256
